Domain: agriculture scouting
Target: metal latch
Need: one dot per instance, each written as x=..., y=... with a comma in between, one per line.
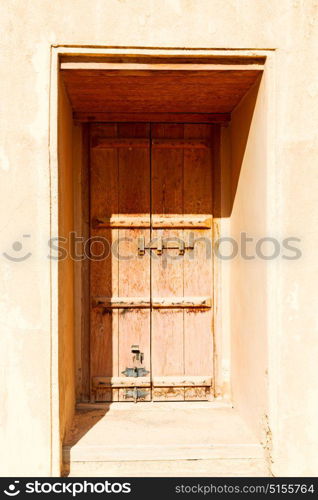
x=169, y=243
x=141, y=245
x=135, y=372
x=137, y=355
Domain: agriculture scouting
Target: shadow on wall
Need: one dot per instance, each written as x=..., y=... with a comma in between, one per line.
x=82, y=423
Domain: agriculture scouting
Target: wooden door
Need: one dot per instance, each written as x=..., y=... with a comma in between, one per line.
x=151, y=292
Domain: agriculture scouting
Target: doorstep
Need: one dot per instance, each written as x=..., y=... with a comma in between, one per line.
x=161, y=439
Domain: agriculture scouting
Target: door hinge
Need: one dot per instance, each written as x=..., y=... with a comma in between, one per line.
x=135, y=372
x=135, y=394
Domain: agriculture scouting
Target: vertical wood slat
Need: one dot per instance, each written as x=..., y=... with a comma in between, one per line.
x=191, y=355
x=120, y=183
x=81, y=267
x=78, y=224
x=134, y=273
x=198, y=265
x=167, y=274
x=104, y=273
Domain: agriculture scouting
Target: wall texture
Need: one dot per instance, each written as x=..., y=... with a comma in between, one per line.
x=31, y=27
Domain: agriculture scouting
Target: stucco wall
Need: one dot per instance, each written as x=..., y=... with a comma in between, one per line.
x=31, y=27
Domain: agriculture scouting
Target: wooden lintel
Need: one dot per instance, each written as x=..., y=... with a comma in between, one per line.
x=155, y=302
x=83, y=116
x=147, y=69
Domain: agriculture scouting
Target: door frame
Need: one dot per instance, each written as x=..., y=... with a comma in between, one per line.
x=227, y=60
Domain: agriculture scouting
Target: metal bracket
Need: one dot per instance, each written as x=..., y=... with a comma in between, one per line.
x=181, y=247
x=141, y=245
x=135, y=394
x=135, y=372
x=137, y=354
x=159, y=246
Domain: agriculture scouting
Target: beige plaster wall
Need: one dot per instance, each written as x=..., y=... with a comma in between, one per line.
x=31, y=27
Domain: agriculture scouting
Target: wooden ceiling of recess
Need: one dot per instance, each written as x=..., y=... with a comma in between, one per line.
x=156, y=91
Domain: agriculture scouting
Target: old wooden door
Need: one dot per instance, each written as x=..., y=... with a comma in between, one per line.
x=151, y=262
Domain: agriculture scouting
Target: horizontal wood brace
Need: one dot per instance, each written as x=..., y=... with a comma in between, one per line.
x=180, y=143
x=101, y=383
x=182, y=302
x=104, y=382
x=155, y=302
x=83, y=116
x=187, y=221
x=110, y=143
x=183, y=381
x=123, y=221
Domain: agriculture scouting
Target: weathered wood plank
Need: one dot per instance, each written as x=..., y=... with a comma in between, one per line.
x=155, y=302
x=81, y=267
x=167, y=270
x=133, y=271
x=158, y=221
x=122, y=302
x=168, y=393
x=198, y=356
x=180, y=143
x=184, y=381
x=122, y=221
x=147, y=69
x=100, y=382
x=181, y=221
x=104, y=273
x=105, y=143
x=181, y=302
x=197, y=393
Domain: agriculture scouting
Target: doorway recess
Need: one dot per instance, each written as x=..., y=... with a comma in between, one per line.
x=178, y=105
